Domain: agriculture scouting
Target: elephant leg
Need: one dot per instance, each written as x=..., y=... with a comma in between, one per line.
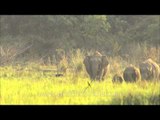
x=88, y=65
x=104, y=73
x=94, y=69
x=99, y=72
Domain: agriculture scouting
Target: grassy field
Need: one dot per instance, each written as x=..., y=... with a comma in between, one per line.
x=35, y=87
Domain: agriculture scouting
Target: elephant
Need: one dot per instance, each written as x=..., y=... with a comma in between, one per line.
x=131, y=74
x=117, y=78
x=97, y=66
x=149, y=70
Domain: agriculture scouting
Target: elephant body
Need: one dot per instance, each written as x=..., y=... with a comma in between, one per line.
x=131, y=74
x=96, y=66
x=117, y=78
x=149, y=70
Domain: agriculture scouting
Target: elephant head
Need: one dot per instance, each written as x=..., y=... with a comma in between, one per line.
x=96, y=66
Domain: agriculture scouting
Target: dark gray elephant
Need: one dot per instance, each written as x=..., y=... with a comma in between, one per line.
x=131, y=74
x=96, y=66
x=149, y=70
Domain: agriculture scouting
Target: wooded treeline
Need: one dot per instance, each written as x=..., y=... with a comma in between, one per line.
x=110, y=34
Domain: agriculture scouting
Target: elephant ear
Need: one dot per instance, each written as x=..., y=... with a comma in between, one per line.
x=86, y=62
x=149, y=67
x=105, y=61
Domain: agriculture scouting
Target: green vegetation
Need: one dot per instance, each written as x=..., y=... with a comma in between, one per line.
x=112, y=35
x=33, y=49
x=31, y=85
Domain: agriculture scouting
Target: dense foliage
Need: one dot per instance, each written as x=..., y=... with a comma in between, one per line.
x=36, y=48
x=110, y=34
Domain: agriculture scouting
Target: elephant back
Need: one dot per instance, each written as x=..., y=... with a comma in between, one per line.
x=131, y=74
x=149, y=70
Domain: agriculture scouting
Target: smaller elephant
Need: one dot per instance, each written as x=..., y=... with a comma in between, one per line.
x=131, y=74
x=117, y=78
x=149, y=70
x=96, y=66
